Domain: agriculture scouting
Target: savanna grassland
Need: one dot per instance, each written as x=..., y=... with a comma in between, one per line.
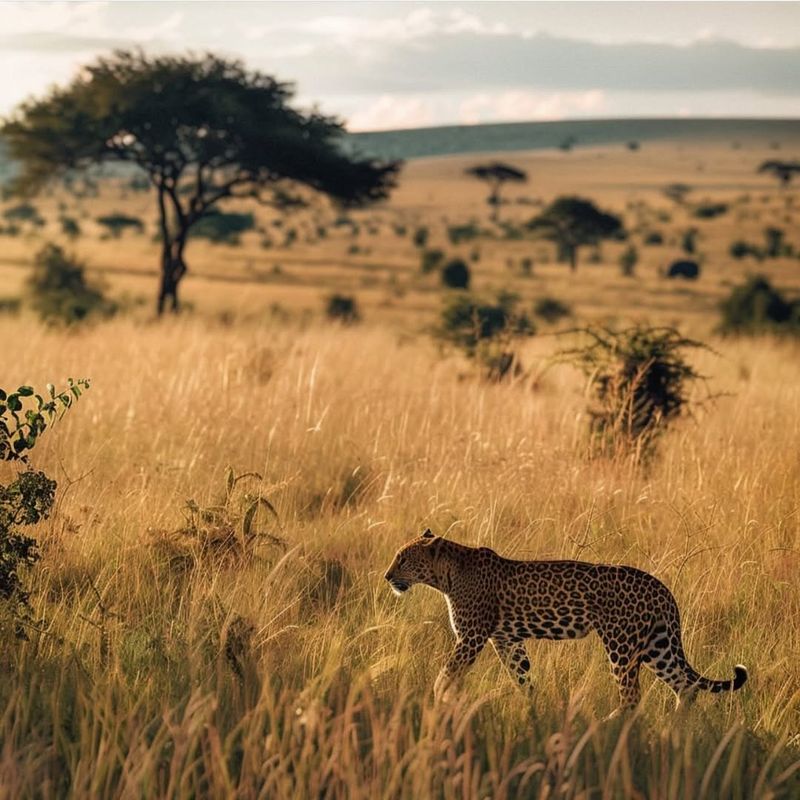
x=192, y=640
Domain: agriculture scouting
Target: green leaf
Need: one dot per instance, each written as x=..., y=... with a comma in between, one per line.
x=25, y=391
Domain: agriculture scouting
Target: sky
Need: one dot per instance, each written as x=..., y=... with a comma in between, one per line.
x=385, y=65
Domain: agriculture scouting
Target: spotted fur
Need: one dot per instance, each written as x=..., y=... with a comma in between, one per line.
x=491, y=598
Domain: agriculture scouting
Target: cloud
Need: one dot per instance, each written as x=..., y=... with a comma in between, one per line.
x=519, y=105
x=393, y=112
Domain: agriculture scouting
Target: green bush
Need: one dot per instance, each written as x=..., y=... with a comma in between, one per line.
x=455, y=274
x=741, y=249
x=223, y=228
x=118, y=223
x=431, y=260
x=70, y=227
x=486, y=331
x=59, y=292
x=342, y=308
x=709, y=210
x=421, y=236
x=757, y=307
x=550, y=309
x=463, y=233
x=24, y=212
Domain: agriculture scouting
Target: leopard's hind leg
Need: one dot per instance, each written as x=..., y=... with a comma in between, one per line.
x=623, y=647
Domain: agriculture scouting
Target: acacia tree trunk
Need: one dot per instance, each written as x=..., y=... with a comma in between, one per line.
x=173, y=269
x=572, y=254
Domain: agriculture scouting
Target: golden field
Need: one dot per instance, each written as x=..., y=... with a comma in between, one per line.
x=168, y=665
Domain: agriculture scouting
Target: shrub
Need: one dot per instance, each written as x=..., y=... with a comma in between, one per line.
x=709, y=210
x=431, y=260
x=550, y=309
x=10, y=305
x=24, y=212
x=741, y=249
x=421, y=237
x=654, y=238
x=70, y=227
x=222, y=228
x=774, y=244
x=628, y=260
x=638, y=382
x=28, y=498
x=342, y=308
x=689, y=241
x=486, y=330
x=757, y=307
x=463, y=233
x=455, y=274
x=59, y=291
x=118, y=223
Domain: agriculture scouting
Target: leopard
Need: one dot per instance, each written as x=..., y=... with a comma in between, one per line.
x=504, y=601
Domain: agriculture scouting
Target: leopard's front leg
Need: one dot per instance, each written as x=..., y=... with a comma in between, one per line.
x=461, y=659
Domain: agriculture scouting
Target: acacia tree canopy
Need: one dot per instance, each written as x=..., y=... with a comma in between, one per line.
x=496, y=174
x=784, y=171
x=571, y=222
x=203, y=129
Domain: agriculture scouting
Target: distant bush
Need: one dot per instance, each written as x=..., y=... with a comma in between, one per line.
x=550, y=309
x=223, y=228
x=430, y=260
x=139, y=183
x=400, y=230
x=628, y=260
x=684, y=269
x=774, y=243
x=463, y=233
x=486, y=331
x=709, y=210
x=10, y=305
x=59, y=292
x=70, y=227
x=757, y=307
x=526, y=266
x=118, y=223
x=741, y=249
x=455, y=274
x=633, y=146
x=342, y=308
x=421, y=236
x=654, y=238
x=24, y=212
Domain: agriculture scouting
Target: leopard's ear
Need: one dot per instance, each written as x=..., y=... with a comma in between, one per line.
x=428, y=534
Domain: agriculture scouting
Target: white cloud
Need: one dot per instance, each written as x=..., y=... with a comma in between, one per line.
x=522, y=105
x=391, y=111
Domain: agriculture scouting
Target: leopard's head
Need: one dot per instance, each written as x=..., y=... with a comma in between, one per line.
x=412, y=564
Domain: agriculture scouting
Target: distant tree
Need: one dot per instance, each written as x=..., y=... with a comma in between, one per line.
x=572, y=222
x=782, y=171
x=203, y=129
x=495, y=175
x=677, y=192
x=455, y=274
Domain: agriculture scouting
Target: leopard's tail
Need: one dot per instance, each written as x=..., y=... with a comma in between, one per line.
x=739, y=679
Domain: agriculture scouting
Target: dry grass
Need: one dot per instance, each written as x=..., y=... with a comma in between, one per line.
x=296, y=673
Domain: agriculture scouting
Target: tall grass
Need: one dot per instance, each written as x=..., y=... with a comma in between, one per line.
x=292, y=671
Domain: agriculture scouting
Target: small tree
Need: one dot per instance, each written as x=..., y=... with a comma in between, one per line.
x=202, y=129
x=572, y=222
x=758, y=307
x=496, y=174
x=677, y=192
x=782, y=171
x=628, y=260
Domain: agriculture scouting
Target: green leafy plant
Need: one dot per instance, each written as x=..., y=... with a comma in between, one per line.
x=639, y=382
x=29, y=497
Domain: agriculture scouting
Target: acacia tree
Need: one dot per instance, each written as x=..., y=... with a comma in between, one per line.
x=571, y=222
x=782, y=171
x=203, y=129
x=496, y=174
